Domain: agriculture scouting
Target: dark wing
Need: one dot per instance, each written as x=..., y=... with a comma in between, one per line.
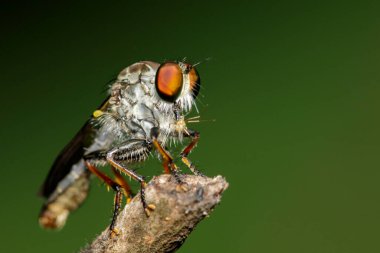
x=69, y=156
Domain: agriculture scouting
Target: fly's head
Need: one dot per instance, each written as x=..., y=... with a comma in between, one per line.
x=172, y=85
x=177, y=85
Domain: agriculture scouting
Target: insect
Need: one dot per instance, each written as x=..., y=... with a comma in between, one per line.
x=144, y=112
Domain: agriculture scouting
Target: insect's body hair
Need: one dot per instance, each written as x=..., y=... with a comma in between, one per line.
x=121, y=128
x=134, y=108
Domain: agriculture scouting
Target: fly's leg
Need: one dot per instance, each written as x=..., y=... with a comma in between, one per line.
x=131, y=152
x=137, y=177
x=116, y=209
x=168, y=164
x=118, y=194
x=194, y=135
x=125, y=186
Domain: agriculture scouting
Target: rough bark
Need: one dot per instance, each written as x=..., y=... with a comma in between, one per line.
x=177, y=213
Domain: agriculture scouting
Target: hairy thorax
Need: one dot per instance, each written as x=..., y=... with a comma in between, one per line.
x=134, y=109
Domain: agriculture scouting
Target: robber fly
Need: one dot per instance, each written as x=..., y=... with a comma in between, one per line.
x=143, y=113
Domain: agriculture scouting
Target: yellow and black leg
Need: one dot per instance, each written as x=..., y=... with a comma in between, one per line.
x=167, y=161
x=116, y=209
x=186, y=151
x=117, y=187
x=135, y=176
x=124, y=185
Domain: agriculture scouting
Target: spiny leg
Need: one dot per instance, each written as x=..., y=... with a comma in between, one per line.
x=135, y=176
x=125, y=186
x=116, y=210
x=118, y=194
x=129, y=152
x=194, y=135
x=168, y=164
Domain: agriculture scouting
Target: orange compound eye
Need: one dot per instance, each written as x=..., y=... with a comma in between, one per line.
x=195, y=82
x=169, y=81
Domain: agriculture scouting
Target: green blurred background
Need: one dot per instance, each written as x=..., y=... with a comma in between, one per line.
x=294, y=87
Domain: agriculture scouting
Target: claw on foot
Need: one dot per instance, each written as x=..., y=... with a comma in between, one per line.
x=181, y=187
x=114, y=232
x=149, y=208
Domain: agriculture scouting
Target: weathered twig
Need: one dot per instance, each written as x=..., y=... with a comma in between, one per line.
x=177, y=213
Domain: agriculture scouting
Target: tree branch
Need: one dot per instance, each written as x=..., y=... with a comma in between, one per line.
x=176, y=214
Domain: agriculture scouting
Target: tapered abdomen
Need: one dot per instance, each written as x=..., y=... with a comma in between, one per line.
x=68, y=196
